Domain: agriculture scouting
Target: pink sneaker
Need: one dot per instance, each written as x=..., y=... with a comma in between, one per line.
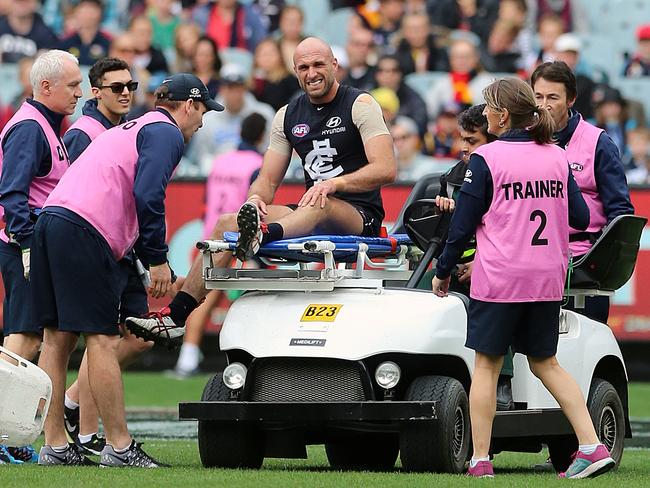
x=483, y=469
x=589, y=465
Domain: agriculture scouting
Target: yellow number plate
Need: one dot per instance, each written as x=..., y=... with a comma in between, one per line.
x=321, y=312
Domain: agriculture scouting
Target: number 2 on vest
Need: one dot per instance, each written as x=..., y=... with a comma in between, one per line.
x=537, y=240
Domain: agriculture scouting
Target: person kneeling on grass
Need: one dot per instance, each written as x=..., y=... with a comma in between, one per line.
x=528, y=234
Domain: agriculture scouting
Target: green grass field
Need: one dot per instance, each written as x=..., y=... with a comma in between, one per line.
x=155, y=391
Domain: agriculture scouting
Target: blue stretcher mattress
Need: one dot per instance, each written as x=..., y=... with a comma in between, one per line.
x=346, y=247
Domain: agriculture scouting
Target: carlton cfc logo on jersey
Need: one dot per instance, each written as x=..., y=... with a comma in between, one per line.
x=300, y=130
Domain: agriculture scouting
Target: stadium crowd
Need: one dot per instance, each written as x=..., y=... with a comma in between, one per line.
x=424, y=61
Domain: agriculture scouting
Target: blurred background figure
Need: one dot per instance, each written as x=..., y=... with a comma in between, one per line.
x=290, y=34
x=359, y=49
x=206, y=64
x=476, y=16
x=611, y=115
x=147, y=56
x=88, y=43
x=164, y=22
x=8, y=110
x=272, y=82
x=411, y=163
x=465, y=81
x=417, y=50
x=637, y=157
x=388, y=74
x=23, y=32
x=567, y=48
x=389, y=15
x=639, y=64
x=185, y=40
x=443, y=138
x=389, y=103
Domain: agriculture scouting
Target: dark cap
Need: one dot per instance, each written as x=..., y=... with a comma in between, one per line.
x=186, y=86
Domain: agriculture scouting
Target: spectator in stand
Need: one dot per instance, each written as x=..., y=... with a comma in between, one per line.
x=611, y=115
x=639, y=65
x=273, y=84
x=443, y=139
x=476, y=16
x=465, y=81
x=290, y=33
x=222, y=134
x=411, y=163
x=185, y=40
x=270, y=11
x=206, y=64
x=549, y=29
x=146, y=56
x=226, y=190
x=567, y=48
x=123, y=47
x=417, y=51
x=573, y=16
x=23, y=32
x=230, y=24
x=500, y=54
x=389, y=75
x=637, y=157
x=359, y=48
x=390, y=17
x=388, y=102
x=24, y=67
x=88, y=43
x=164, y=23
x=343, y=66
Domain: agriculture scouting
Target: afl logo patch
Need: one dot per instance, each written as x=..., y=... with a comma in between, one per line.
x=300, y=130
x=333, y=122
x=576, y=166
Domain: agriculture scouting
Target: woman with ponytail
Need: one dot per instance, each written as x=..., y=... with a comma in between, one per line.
x=519, y=197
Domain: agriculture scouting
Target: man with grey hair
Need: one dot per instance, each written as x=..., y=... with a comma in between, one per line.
x=32, y=160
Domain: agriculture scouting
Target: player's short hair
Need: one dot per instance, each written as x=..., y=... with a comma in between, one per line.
x=103, y=66
x=557, y=72
x=473, y=120
x=49, y=66
x=252, y=128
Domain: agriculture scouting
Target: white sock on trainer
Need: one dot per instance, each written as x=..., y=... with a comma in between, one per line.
x=473, y=462
x=60, y=448
x=588, y=448
x=86, y=438
x=188, y=359
x=69, y=403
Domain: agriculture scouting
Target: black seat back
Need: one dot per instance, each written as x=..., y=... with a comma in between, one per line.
x=427, y=187
x=610, y=262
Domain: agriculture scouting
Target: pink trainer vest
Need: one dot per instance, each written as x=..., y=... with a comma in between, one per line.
x=227, y=185
x=108, y=204
x=89, y=126
x=581, y=153
x=41, y=186
x=523, y=239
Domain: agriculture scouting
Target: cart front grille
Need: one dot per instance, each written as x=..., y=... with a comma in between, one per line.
x=307, y=380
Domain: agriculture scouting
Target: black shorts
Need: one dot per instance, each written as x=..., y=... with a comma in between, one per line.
x=532, y=328
x=371, y=221
x=76, y=282
x=17, y=314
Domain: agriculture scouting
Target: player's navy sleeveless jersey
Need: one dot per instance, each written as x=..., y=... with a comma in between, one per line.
x=329, y=144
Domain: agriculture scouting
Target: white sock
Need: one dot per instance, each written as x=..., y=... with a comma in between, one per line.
x=69, y=403
x=188, y=359
x=120, y=451
x=83, y=438
x=60, y=448
x=588, y=448
x=473, y=462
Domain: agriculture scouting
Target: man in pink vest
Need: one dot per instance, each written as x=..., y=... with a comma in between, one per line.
x=594, y=161
x=230, y=178
x=113, y=88
x=32, y=160
x=519, y=197
x=111, y=200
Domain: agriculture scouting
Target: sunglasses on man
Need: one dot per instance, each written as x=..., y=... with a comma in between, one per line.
x=119, y=87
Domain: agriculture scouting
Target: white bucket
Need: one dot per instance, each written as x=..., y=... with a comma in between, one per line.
x=25, y=394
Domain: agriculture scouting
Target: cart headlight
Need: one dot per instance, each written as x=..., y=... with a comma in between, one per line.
x=387, y=375
x=234, y=376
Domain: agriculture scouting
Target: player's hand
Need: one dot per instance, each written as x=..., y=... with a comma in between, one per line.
x=445, y=204
x=440, y=287
x=317, y=193
x=26, y=255
x=259, y=203
x=161, y=280
x=465, y=272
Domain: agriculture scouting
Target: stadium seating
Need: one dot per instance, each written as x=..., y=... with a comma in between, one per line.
x=421, y=82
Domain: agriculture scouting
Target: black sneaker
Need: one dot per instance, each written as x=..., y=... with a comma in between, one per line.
x=69, y=457
x=134, y=456
x=93, y=447
x=71, y=421
x=250, y=231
